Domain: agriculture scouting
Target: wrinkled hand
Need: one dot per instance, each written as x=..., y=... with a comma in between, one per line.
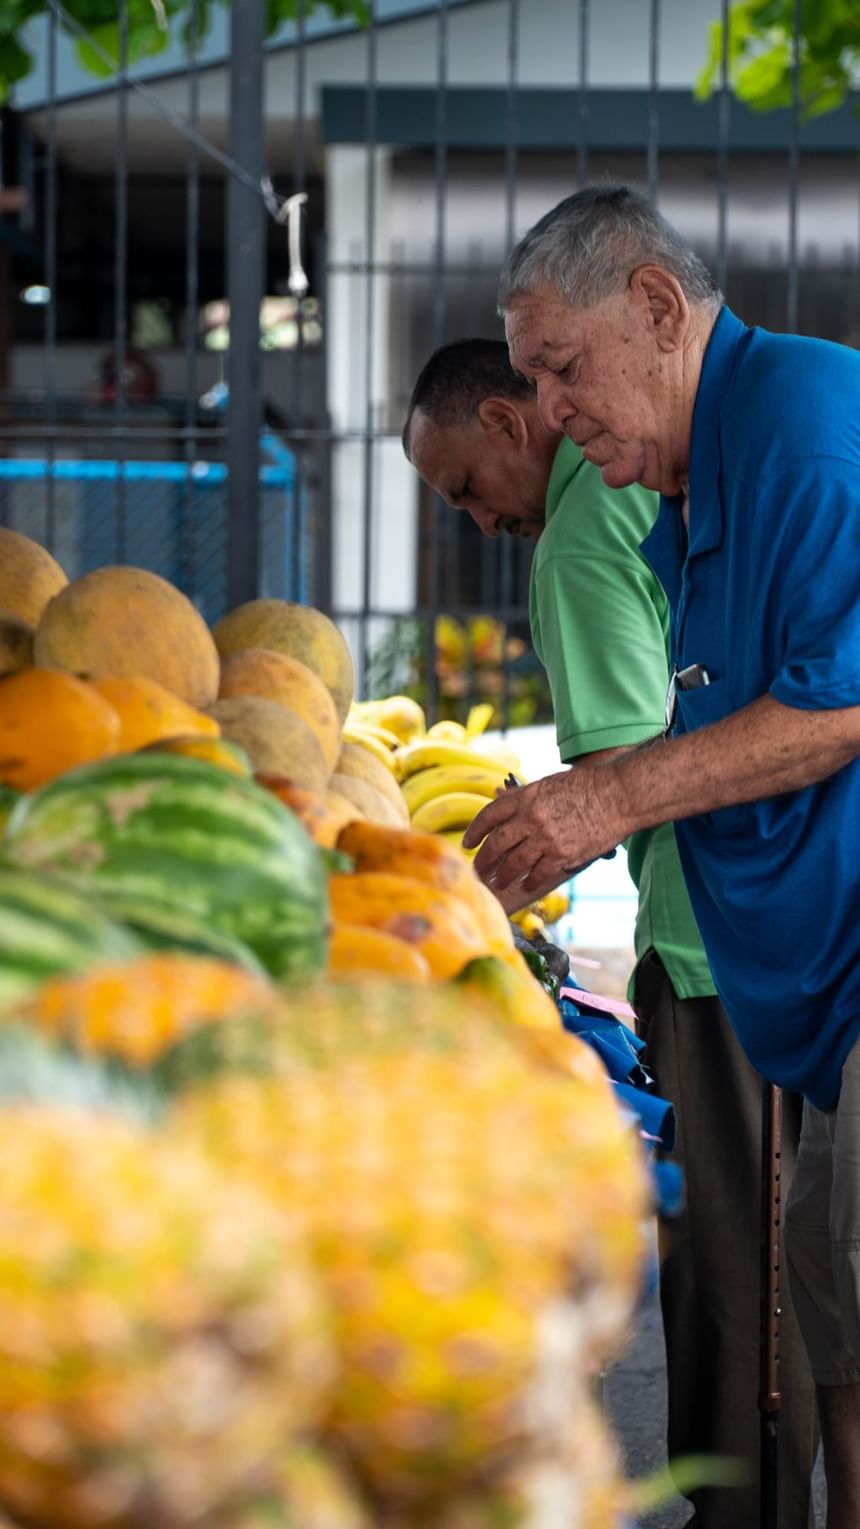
x=539, y=835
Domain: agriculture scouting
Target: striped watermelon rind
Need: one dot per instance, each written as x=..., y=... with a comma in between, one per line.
x=49, y=930
x=173, y=835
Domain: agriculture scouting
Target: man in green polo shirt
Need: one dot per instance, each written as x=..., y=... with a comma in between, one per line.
x=599, y=622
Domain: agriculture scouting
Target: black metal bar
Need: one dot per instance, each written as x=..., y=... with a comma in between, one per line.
x=369, y=321
x=245, y=272
x=51, y=280
x=440, y=310
x=298, y=369
x=192, y=296
x=511, y=123
x=121, y=279
x=582, y=96
x=723, y=150
x=653, y=98
x=792, y=292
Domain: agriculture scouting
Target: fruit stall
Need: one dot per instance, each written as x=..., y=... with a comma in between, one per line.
x=312, y=1213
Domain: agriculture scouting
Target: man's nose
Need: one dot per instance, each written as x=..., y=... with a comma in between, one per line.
x=553, y=405
x=485, y=519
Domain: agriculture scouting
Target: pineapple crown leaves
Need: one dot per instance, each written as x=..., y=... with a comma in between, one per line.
x=150, y=27
x=759, y=47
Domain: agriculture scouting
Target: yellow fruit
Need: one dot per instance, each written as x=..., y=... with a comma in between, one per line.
x=299, y=631
x=371, y=803
x=531, y=923
x=321, y=820
x=425, y=753
x=215, y=751
x=126, y=621
x=396, y=713
x=16, y=643
x=438, y=924
x=456, y=810
x=554, y=905
x=440, y=780
x=455, y=732
x=479, y=719
x=357, y=718
x=516, y=994
x=354, y=950
x=147, y=712
x=357, y=761
x=276, y=740
x=29, y=576
x=339, y=804
x=279, y=677
x=49, y=723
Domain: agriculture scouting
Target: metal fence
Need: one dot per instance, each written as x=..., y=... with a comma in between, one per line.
x=114, y=252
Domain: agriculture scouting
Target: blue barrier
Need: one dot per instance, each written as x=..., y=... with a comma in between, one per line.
x=164, y=516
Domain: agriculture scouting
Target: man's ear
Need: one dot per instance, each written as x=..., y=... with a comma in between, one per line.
x=501, y=416
x=663, y=303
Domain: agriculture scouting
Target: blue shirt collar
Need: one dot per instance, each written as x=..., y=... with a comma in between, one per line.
x=664, y=548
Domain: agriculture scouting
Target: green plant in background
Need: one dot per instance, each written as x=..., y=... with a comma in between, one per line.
x=476, y=659
x=152, y=25
x=760, y=48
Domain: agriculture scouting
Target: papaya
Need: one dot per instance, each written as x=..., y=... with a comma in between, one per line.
x=355, y=760
x=147, y=712
x=49, y=723
x=441, y=927
x=426, y=857
x=355, y=951
x=372, y=805
x=299, y=631
x=276, y=740
x=127, y=621
x=16, y=643
x=279, y=677
x=213, y=750
x=29, y=576
x=322, y=822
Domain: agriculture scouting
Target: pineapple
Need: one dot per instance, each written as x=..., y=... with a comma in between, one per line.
x=457, y=1199
x=161, y=1335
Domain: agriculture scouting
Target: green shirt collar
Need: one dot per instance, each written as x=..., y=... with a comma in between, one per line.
x=566, y=464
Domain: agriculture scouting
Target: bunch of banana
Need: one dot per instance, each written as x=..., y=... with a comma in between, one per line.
x=548, y=909
x=449, y=775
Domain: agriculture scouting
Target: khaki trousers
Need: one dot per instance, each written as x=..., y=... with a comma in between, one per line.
x=709, y=1259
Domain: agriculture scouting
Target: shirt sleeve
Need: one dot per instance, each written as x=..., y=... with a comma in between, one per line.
x=817, y=578
x=604, y=644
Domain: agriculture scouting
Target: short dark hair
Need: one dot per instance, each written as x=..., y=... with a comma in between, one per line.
x=458, y=377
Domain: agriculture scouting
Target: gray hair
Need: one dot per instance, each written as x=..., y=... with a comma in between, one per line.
x=589, y=245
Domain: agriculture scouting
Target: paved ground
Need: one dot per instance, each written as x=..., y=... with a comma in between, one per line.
x=635, y=1399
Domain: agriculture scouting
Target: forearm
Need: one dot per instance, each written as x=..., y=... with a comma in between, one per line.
x=761, y=751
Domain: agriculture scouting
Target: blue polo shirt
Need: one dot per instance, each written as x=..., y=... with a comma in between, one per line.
x=767, y=597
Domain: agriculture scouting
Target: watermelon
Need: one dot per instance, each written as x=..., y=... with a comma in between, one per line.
x=155, y=836
x=8, y=797
x=33, y=1068
x=47, y=930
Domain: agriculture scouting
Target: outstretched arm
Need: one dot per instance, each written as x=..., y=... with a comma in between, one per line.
x=540, y=834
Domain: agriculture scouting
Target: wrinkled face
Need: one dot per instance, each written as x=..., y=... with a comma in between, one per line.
x=602, y=378
x=495, y=479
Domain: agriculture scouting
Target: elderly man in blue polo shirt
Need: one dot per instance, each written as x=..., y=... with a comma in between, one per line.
x=753, y=442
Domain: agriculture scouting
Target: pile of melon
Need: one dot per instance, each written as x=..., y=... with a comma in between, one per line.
x=120, y=660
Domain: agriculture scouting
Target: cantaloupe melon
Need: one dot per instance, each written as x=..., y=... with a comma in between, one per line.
x=16, y=643
x=29, y=576
x=371, y=803
x=279, y=677
x=276, y=740
x=340, y=805
x=299, y=631
x=127, y=621
x=357, y=761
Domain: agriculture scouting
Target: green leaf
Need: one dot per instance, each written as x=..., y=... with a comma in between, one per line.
x=689, y=1473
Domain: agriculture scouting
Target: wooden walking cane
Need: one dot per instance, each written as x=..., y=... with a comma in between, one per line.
x=769, y=1392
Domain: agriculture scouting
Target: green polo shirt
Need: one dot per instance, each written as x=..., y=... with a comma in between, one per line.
x=600, y=626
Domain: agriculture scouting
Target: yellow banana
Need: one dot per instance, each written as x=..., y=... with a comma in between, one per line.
x=455, y=732
x=553, y=906
x=369, y=741
x=384, y=734
x=426, y=752
x=456, y=810
x=397, y=713
x=479, y=719
x=529, y=923
x=454, y=836
x=439, y=780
